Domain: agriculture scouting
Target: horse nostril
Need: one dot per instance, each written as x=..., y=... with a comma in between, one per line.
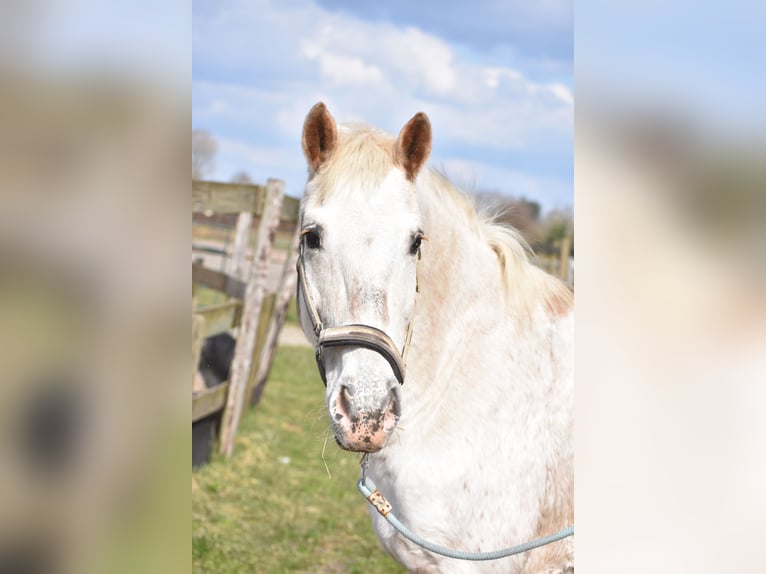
x=394, y=406
x=343, y=402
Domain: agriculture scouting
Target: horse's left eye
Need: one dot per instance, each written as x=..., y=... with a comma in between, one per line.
x=311, y=238
x=415, y=245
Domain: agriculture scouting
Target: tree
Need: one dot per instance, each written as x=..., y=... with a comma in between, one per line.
x=204, y=149
x=557, y=225
x=241, y=177
x=518, y=212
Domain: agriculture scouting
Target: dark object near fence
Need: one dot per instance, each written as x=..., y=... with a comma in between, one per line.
x=214, y=366
x=215, y=359
x=204, y=434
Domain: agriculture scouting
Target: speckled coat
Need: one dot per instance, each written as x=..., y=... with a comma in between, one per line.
x=475, y=450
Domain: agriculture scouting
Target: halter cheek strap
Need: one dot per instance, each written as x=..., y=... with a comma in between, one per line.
x=354, y=335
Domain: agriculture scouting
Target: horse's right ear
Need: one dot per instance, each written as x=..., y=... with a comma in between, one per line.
x=319, y=136
x=413, y=146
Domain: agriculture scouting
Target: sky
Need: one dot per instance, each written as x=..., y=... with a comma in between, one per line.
x=704, y=60
x=494, y=77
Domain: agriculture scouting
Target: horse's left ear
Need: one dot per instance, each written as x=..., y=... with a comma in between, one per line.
x=413, y=145
x=319, y=136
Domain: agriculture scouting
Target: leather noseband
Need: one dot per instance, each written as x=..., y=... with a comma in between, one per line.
x=353, y=335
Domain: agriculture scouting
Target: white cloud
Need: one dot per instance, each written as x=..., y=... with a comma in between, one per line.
x=280, y=58
x=409, y=55
x=562, y=92
x=538, y=32
x=344, y=70
x=420, y=57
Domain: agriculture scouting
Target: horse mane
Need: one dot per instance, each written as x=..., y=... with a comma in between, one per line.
x=365, y=149
x=524, y=282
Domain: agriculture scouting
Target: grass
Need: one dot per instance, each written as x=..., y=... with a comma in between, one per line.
x=291, y=317
x=272, y=507
x=207, y=297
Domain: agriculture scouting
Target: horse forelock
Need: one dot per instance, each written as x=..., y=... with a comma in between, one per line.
x=363, y=158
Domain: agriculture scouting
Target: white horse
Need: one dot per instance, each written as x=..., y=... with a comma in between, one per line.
x=475, y=449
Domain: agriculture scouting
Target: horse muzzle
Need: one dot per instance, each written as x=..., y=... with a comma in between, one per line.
x=362, y=419
x=364, y=409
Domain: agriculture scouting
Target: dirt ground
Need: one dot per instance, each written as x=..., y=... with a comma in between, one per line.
x=292, y=336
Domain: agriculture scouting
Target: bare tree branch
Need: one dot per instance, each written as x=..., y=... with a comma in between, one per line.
x=204, y=149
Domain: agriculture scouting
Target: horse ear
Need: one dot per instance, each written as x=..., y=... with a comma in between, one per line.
x=413, y=145
x=319, y=136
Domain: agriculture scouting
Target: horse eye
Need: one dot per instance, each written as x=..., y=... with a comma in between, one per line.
x=415, y=245
x=311, y=239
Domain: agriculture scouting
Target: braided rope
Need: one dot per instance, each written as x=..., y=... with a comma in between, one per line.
x=376, y=499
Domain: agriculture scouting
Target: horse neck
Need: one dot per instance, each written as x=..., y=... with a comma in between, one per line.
x=461, y=283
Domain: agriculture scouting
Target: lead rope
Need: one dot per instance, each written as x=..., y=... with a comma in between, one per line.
x=367, y=487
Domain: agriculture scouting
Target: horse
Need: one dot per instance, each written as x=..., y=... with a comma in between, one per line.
x=446, y=354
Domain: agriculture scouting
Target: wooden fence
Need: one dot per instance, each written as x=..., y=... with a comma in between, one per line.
x=250, y=308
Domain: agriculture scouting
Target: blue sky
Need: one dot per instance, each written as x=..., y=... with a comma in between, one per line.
x=704, y=60
x=495, y=77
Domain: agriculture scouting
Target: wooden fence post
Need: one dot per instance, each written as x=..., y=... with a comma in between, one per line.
x=254, y=294
x=241, y=241
x=198, y=334
x=287, y=287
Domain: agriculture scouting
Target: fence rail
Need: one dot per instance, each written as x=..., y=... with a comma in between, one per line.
x=255, y=312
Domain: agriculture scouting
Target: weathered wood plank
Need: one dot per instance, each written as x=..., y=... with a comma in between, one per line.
x=241, y=242
x=285, y=292
x=210, y=400
x=253, y=302
x=222, y=197
x=198, y=332
x=219, y=281
x=207, y=249
x=269, y=300
x=267, y=312
x=291, y=208
x=220, y=318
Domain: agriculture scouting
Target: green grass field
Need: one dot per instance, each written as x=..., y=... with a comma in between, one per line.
x=272, y=507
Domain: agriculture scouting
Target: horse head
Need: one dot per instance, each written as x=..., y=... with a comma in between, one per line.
x=361, y=239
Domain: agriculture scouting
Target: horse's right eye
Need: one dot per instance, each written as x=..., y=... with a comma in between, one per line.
x=312, y=239
x=417, y=238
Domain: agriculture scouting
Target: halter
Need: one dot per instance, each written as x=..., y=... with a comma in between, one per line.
x=353, y=335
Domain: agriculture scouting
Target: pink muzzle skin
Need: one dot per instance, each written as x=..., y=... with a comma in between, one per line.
x=365, y=429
